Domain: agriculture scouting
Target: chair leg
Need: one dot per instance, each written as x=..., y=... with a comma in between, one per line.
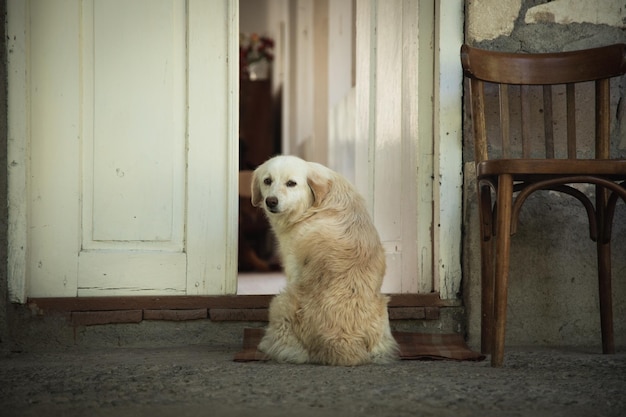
x=606, y=301
x=486, y=258
x=503, y=249
x=604, y=274
x=487, y=296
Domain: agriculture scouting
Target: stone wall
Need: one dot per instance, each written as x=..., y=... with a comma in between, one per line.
x=553, y=296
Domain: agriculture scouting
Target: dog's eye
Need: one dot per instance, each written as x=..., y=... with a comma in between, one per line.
x=267, y=181
x=291, y=183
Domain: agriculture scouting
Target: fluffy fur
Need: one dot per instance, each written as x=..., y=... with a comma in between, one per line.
x=331, y=310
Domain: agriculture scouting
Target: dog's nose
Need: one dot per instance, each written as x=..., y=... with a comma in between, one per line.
x=271, y=202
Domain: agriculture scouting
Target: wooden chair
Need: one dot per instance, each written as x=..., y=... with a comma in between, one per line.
x=514, y=173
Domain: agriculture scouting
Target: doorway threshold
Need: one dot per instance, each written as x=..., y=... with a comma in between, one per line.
x=260, y=283
x=86, y=311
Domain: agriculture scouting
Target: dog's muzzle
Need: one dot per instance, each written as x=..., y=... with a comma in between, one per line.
x=272, y=204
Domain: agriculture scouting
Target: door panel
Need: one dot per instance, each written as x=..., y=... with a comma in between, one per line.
x=393, y=163
x=128, y=273
x=134, y=143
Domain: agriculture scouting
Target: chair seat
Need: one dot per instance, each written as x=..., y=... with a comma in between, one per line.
x=614, y=169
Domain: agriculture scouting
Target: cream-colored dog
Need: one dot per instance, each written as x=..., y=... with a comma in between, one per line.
x=331, y=310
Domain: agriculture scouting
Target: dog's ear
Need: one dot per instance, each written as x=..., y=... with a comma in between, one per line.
x=255, y=188
x=320, y=182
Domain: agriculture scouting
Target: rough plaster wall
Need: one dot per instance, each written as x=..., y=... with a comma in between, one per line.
x=488, y=19
x=612, y=12
x=553, y=287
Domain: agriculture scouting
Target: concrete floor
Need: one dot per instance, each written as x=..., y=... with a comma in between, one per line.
x=203, y=380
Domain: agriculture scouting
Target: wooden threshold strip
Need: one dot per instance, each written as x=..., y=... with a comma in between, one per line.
x=71, y=304
x=90, y=311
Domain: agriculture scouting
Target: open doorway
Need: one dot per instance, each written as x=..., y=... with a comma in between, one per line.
x=261, y=82
x=297, y=66
x=386, y=115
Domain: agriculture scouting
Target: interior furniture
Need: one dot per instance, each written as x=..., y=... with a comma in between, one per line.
x=259, y=129
x=256, y=125
x=255, y=247
x=511, y=163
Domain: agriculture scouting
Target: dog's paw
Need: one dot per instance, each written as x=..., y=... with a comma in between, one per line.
x=264, y=345
x=386, y=351
x=383, y=358
x=283, y=351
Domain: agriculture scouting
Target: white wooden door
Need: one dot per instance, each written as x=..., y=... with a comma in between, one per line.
x=394, y=163
x=128, y=112
x=398, y=134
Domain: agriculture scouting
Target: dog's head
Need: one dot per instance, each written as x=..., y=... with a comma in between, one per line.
x=288, y=186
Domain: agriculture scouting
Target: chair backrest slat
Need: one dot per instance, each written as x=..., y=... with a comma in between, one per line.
x=548, y=128
x=526, y=122
x=570, y=92
x=505, y=127
x=603, y=119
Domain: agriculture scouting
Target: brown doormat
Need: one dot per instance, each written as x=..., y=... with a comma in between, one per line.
x=412, y=346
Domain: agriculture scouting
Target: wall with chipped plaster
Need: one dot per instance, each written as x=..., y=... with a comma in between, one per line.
x=553, y=288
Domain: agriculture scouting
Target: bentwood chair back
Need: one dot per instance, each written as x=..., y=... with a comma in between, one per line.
x=520, y=147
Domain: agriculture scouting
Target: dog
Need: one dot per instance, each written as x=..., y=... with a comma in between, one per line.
x=331, y=310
